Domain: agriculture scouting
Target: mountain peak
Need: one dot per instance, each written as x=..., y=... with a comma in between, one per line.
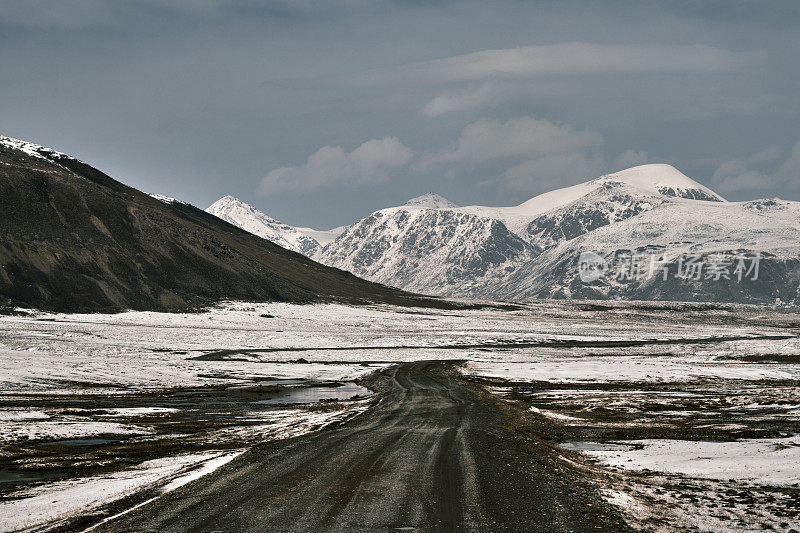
x=231, y=208
x=431, y=201
x=228, y=200
x=247, y=217
x=663, y=179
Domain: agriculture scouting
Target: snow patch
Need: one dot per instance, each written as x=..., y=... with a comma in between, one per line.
x=772, y=462
x=32, y=149
x=54, y=503
x=162, y=198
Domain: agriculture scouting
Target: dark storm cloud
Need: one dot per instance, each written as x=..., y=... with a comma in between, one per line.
x=321, y=111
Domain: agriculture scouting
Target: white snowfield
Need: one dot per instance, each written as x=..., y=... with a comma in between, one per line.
x=54, y=502
x=108, y=354
x=162, y=198
x=433, y=246
x=773, y=462
x=48, y=353
x=322, y=236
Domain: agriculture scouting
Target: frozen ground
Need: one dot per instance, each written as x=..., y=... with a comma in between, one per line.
x=699, y=436
x=668, y=398
x=764, y=461
x=49, y=503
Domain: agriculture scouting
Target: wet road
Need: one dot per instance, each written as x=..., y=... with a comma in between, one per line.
x=434, y=453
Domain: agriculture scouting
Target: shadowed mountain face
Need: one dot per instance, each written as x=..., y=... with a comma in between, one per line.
x=74, y=239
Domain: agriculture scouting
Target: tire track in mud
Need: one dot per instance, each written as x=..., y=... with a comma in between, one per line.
x=434, y=453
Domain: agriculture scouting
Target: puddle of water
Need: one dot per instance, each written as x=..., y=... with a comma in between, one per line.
x=316, y=394
x=8, y=476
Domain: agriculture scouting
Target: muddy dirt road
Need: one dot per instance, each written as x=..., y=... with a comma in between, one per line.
x=433, y=453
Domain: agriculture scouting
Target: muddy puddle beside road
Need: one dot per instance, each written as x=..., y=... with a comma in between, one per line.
x=313, y=394
x=78, y=436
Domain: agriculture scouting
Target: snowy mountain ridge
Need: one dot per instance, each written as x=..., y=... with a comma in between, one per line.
x=430, y=201
x=431, y=245
x=647, y=180
x=32, y=149
x=428, y=250
x=306, y=241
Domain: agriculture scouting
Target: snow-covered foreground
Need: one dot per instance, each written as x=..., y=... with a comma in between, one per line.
x=51, y=504
x=48, y=504
x=684, y=391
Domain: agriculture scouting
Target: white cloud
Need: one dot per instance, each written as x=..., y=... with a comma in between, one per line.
x=543, y=155
x=488, y=94
x=485, y=95
x=788, y=174
x=768, y=155
x=631, y=158
x=372, y=162
x=553, y=171
x=744, y=174
x=528, y=137
x=567, y=59
x=733, y=176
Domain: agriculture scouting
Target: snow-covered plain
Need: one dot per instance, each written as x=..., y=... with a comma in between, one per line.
x=634, y=368
x=105, y=353
x=70, y=382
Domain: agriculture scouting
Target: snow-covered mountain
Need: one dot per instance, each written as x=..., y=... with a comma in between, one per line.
x=648, y=181
x=306, y=241
x=433, y=250
x=668, y=235
x=650, y=213
x=651, y=220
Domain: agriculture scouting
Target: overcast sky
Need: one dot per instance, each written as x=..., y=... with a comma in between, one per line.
x=319, y=112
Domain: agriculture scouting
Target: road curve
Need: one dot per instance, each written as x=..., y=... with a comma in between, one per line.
x=434, y=453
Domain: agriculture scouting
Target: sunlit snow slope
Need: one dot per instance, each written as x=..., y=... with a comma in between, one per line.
x=306, y=241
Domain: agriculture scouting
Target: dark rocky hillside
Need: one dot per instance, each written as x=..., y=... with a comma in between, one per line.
x=74, y=239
